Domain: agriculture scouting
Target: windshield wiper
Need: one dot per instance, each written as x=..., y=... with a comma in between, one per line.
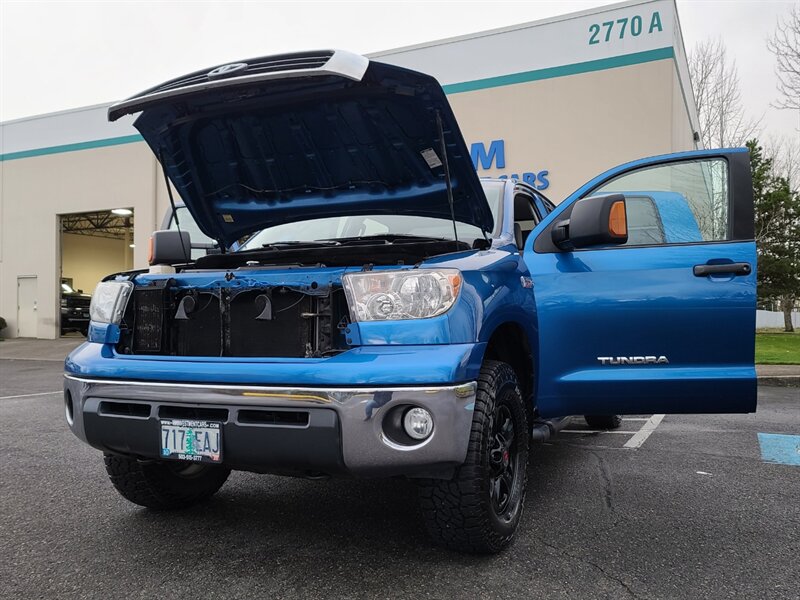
x=297, y=243
x=390, y=238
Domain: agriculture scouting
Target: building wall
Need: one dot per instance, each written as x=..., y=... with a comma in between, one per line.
x=573, y=127
x=37, y=189
x=682, y=131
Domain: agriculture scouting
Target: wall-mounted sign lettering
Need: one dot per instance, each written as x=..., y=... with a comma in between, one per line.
x=623, y=27
x=494, y=157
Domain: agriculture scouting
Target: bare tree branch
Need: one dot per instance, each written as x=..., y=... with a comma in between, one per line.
x=785, y=45
x=784, y=152
x=715, y=81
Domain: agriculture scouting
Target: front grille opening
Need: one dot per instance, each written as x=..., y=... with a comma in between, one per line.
x=299, y=323
x=287, y=418
x=195, y=413
x=124, y=409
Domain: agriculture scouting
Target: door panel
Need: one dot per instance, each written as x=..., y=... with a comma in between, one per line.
x=645, y=302
x=27, y=319
x=660, y=327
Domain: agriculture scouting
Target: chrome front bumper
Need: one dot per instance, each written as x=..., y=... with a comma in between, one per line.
x=304, y=430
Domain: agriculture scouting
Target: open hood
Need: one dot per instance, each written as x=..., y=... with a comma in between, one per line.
x=285, y=138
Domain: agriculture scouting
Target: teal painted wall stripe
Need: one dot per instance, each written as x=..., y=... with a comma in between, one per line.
x=551, y=72
x=125, y=139
x=453, y=88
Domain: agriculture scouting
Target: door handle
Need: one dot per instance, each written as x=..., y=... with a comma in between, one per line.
x=741, y=268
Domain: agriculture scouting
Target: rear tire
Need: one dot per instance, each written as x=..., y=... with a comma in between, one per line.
x=479, y=509
x=164, y=485
x=603, y=421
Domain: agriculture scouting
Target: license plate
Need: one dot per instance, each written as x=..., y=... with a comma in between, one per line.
x=186, y=439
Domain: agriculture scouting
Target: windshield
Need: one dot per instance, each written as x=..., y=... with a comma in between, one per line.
x=200, y=241
x=350, y=226
x=65, y=288
x=187, y=224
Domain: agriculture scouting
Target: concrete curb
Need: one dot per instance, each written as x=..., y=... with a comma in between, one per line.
x=780, y=380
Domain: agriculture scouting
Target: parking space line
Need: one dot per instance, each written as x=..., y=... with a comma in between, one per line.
x=597, y=431
x=647, y=429
x=30, y=395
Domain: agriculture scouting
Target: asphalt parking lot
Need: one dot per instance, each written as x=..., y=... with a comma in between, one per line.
x=693, y=511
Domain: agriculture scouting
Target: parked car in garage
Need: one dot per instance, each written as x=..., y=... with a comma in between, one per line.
x=74, y=309
x=392, y=314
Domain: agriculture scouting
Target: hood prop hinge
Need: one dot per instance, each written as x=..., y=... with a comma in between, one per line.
x=443, y=149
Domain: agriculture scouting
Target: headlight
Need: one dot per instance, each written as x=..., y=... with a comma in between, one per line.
x=392, y=295
x=109, y=301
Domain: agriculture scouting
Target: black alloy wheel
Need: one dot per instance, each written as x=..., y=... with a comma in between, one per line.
x=479, y=509
x=504, y=462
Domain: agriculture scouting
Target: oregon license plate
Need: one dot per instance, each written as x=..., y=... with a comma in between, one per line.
x=186, y=439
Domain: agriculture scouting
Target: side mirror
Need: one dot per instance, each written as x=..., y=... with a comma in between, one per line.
x=594, y=221
x=169, y=247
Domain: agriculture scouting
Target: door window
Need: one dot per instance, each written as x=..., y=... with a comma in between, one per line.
x=525, y=214
x=644, y=223
x=675, y=203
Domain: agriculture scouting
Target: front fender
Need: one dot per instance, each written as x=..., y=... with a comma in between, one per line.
x=493, y=292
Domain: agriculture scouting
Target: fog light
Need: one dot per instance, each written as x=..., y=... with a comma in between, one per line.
x=418, y=423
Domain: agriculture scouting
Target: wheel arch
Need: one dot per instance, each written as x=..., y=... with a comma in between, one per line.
x=510, y=342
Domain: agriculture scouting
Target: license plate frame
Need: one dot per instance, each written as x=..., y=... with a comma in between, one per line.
x=179, y=440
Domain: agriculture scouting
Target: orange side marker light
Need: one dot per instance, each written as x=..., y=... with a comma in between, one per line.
x=617, y=220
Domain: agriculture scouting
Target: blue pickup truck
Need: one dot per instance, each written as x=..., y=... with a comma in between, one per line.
x=390, y=313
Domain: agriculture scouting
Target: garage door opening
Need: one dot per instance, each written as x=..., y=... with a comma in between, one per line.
x=93, y=245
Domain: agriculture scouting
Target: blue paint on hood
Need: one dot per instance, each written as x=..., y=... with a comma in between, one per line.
x=248, y=153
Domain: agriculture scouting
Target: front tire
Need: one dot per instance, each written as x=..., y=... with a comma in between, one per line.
x=480, y=508
x=164, y=485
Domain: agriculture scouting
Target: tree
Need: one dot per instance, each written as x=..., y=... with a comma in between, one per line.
x=715, y=82
x=785, y=45
x=785, y=154
x=777, y=230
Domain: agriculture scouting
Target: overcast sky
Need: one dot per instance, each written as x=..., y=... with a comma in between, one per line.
x=60, y=55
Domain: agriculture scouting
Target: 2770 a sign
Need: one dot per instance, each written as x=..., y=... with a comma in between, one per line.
x=619, y=29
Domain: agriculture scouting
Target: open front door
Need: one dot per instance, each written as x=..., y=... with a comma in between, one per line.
x=664, y=323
